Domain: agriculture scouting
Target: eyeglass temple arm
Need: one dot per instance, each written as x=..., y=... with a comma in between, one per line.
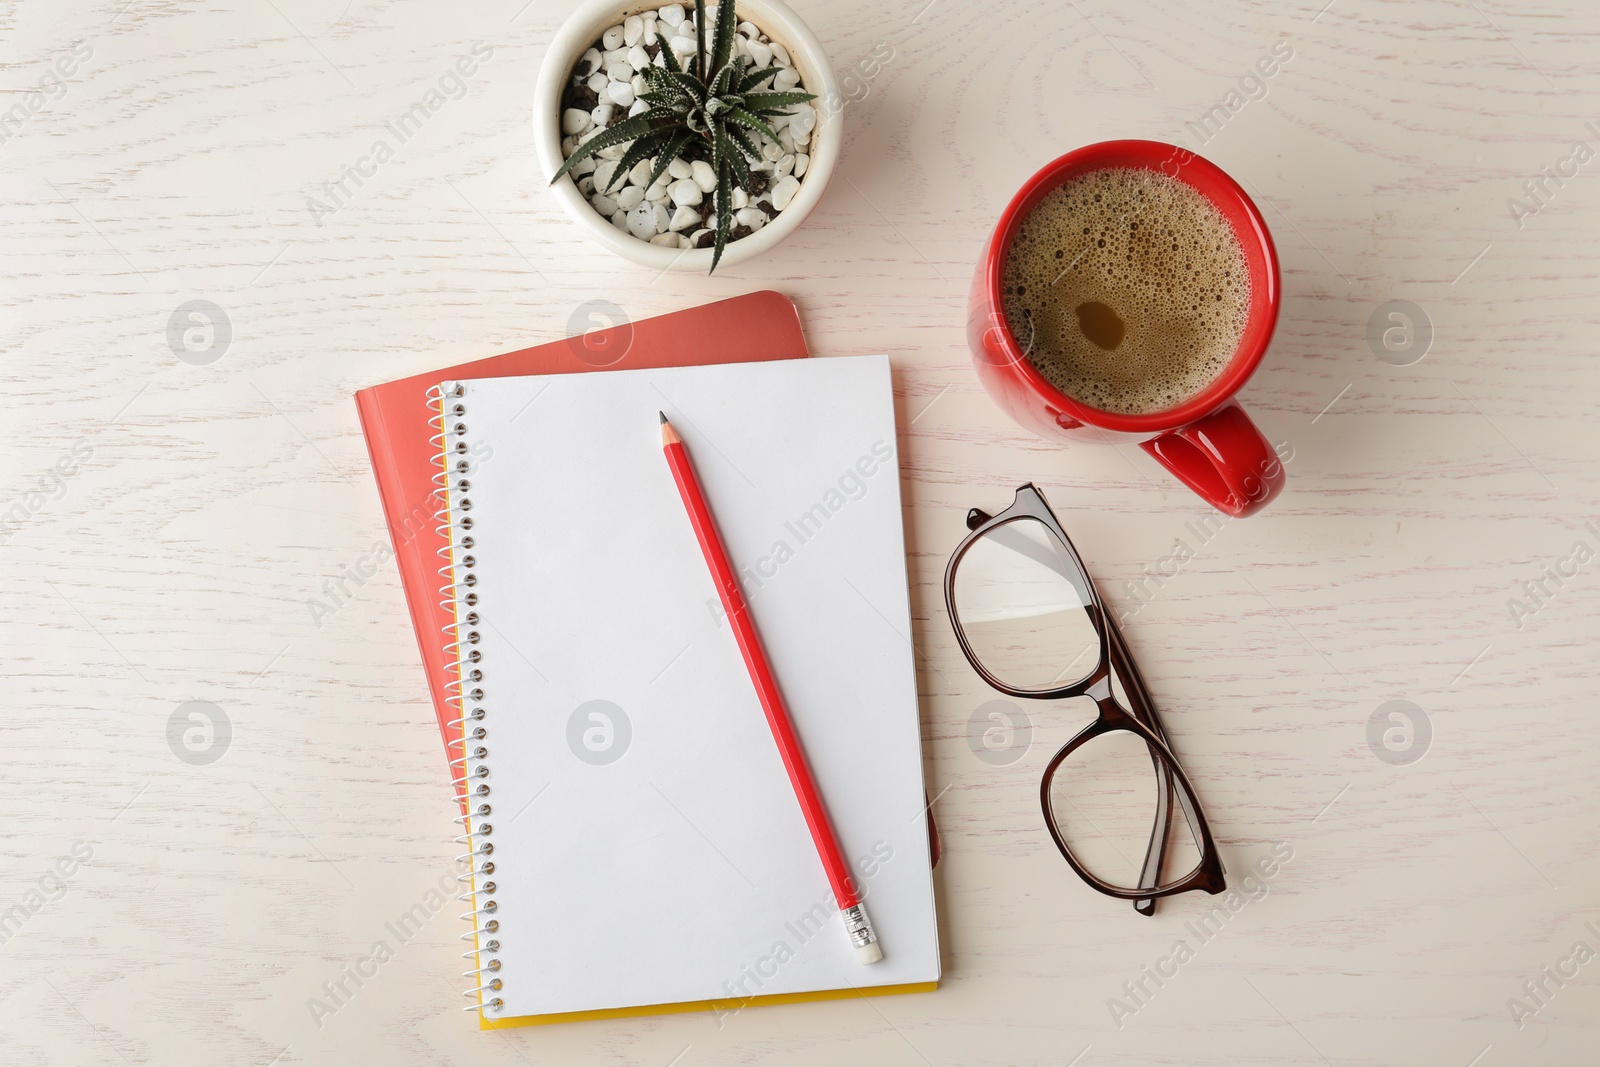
x=1143, y=709
x=1145, y=712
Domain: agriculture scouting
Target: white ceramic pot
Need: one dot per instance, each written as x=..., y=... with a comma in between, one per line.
x=780, y=24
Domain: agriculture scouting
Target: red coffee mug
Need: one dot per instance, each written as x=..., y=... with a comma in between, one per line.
x=1208, y=442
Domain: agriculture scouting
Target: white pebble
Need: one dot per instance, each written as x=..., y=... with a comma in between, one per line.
x=685, y=191
x=703, y=175
x=603, y=174
x=785, y=79
x=739, y=199
x=614, y=152
x=619, y=93
x=783, y=192
x=604, y=204
x=684, y=217
x=771, y=152
x=656, y=193
x=801, y=162
x=750, y=30
x=639, y=107
x=613, y=37
x=682, y=45
x=569, y=145
x=620, y=220
x=629, y=198
x=783, y=166
x=661, y=217
x=642, y=222
x=679, y=168
x=667, y=240
x=602, y=114
x=805, y=118
x=640, y=86
x=640, y=172
x=685, y=29
x=586, y=184
x=598, y=81
x=649, y=27
x=638, y=58
x=781, y=54
x=760, y=53
x=672, y=14
x=801, y=138
x=620, y=71
x=575, y=120
x=584, y=166
x=591, y=61
x=752, y=217
x=632, y=30
x=786, y=138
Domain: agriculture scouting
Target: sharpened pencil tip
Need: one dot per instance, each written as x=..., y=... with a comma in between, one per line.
x=663, y=415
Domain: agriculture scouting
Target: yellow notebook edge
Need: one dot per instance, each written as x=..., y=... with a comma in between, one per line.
x=722, y=1007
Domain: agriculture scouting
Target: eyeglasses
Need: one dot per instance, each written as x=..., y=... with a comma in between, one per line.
x=1032, y=624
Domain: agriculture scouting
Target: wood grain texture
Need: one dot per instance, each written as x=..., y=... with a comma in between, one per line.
x=215, y=501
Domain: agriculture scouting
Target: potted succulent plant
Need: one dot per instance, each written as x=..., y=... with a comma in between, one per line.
x=684, y=138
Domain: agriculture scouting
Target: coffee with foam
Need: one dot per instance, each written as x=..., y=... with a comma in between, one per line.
x=1127, y=289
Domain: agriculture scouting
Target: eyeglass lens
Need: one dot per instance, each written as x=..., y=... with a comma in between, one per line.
x=1106, y=802
x=1022, y=603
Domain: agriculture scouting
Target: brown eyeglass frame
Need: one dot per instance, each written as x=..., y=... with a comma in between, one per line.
x=1141, y=719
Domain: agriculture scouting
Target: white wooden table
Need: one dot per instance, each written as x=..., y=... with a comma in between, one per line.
x=208, y=503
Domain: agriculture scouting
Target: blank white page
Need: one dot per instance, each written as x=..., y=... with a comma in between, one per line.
x=681, y=869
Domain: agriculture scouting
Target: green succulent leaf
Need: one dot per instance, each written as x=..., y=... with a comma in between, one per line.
x=669, y=58
x=727, y=26
x=724, y=207
x=643, y=148
x=738, y=116
x=670, y=151
x=746, y=147
x=659, y=80
x=700, y=37
x=625, y=130
x=741, y=66
x=735, y=154
x=672, y=99
x=724, y=79
x=692, y=87
x=754, y=79
x=763, y=102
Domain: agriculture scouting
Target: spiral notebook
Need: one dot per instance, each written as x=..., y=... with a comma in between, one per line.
x=634, y=843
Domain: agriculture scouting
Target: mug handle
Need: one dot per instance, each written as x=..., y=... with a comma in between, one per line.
x=1224, y=458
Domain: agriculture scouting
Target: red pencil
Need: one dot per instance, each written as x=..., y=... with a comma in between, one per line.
x=856, y=923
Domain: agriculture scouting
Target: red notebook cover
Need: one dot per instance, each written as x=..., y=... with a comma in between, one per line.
x=394, y=419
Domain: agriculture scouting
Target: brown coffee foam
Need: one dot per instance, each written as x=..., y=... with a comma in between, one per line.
x=1154, y=250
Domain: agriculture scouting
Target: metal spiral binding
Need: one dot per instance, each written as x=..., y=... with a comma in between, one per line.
x=469, y=773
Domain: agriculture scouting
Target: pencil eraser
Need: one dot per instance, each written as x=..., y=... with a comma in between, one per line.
x=869, y=953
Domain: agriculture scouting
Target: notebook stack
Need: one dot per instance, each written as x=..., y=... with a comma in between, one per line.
x=633, y=844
